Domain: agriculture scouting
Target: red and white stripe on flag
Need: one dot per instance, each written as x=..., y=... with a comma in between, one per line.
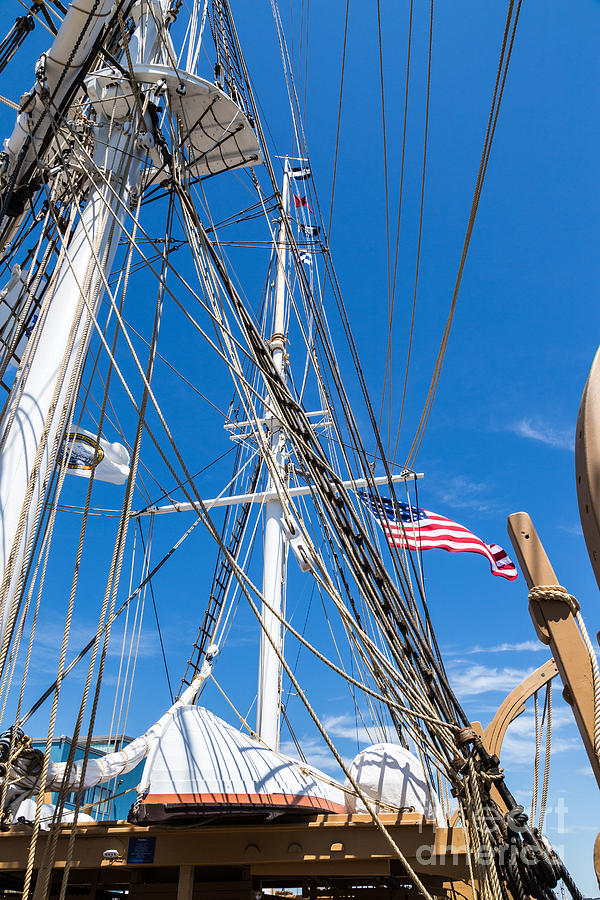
x=433, y=531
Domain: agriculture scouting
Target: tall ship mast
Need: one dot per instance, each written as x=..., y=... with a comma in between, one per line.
x=182, y=437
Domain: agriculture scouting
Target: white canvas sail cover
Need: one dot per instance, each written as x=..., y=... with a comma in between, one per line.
x=103, y=769
x=23, y=784
x=203, y=765
x=26, y=813
x=394, y=779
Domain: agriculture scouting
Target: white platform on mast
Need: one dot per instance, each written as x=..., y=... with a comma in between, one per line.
x=216, y=132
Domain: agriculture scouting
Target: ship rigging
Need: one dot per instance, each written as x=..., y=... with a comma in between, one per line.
x=108, y=187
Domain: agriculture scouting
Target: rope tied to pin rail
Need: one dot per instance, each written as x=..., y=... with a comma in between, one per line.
x=527, y=866
x=558, y=592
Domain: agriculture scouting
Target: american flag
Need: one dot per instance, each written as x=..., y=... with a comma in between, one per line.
x=414, y=528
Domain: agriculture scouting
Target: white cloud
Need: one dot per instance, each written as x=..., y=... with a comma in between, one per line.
x=520, y=750
x=575, y=829
x=575, y=529
x=473, y=680
x=533, y=646
x=525, y=723
x=518, y=747
x=536, y=430
x=462, y=493
x=345, y=726
x=341, y=728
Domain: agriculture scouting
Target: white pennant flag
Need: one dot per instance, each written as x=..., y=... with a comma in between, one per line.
x=86, y=453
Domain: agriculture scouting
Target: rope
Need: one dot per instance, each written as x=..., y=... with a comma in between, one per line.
x=418, y=261
x=359, y=792
x=339, y=119
x=9, y=102
x=479, y=834
x=536, y=763
x=115, y=616
x=326, y=488
x=221, y=326
x=503, y=64
x=474, y=884
x=553, y=592
x=114, y=576
x=164, y=423
x=158, y=628
x=559, y=593
x=187, y=286
x=548, y=750
x=387, y=218
x=51, y=846
x=323, y=476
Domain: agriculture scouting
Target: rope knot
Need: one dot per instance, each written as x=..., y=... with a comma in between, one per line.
x=491, y=777
x=554, y=592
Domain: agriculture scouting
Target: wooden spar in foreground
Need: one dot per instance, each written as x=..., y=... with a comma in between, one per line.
x=556, y=626
x=587, y=464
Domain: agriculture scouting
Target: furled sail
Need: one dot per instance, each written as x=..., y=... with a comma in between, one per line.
x=85, y=774
x=202, y=766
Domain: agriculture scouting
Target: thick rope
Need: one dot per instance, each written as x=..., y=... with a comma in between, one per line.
x=536, y=762
x=558, y=592
x=547, y=760
x=113, y=580
x=96, y=265
x=490, y=870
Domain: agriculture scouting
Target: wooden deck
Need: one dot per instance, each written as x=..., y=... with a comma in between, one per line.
x=335, y=856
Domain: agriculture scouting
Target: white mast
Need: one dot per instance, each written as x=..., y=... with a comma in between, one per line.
x=46, y=389
x=274, y=551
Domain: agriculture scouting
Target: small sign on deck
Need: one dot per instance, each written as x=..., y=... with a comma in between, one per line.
x=141, y=850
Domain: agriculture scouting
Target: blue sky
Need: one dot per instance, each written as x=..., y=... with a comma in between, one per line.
x=500, y=436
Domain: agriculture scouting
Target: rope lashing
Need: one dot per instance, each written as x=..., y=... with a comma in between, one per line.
x=557, y=592
x=554, y=592
x=491, y=777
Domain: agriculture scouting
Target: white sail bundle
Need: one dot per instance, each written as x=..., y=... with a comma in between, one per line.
x=91, y=772
x=201, y=766
x=56, y=72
